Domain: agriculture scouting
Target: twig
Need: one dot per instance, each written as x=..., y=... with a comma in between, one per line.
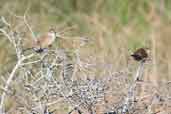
x=4, y=21
x=12, y=74
x=7, y=84
x=29, y=27
x=75, y=108
x=6, y=34
x=25, y=21
x=131, y=92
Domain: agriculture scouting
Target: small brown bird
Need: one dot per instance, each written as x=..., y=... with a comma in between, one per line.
x=43, y=42
x=140, y=55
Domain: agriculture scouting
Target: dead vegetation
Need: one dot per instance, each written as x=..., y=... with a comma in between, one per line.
x=88, y=69
x=60, y=81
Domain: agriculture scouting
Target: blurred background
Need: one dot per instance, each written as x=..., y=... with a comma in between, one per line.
x=115, y=29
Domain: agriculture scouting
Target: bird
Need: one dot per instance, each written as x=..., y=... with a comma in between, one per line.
x=140, y=54
x=43, y=42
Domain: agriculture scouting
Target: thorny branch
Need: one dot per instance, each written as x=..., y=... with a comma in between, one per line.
x=10, y=78
x=18, y=64
x=129, y=100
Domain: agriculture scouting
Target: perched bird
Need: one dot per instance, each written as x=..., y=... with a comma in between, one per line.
x=140, y=54
x=43, y=42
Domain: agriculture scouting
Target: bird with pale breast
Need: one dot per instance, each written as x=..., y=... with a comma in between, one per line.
x=43, y=42
x=140, y=54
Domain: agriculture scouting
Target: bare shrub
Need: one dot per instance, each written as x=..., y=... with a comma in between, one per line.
x=39, y=82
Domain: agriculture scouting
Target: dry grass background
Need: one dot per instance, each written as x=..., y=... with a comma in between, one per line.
x=115, y=29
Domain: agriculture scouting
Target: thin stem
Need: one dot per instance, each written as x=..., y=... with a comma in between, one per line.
x=7, y=85
x=131, y=92
x=9, y=80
